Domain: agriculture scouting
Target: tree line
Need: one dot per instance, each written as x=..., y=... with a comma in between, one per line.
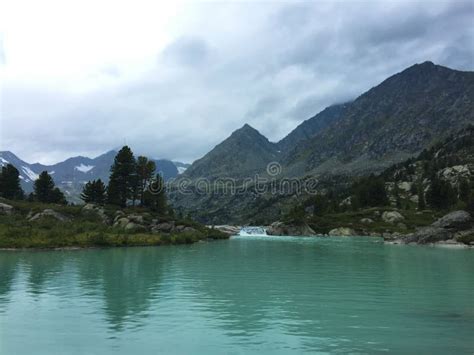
x=132, y=182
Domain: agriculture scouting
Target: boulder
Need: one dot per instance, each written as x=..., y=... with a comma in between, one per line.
x=458, y=220
x=293, y=229
x=342, y=232
x=131, y=226
x=49, y=213
x=5, y=209
x=453, y=226
x=392, y=217
x=121, y=222
x=229, y=230
x=367, y=221
x=136, y=218
x=189, y=230
x=164, y=227
x=179, y=228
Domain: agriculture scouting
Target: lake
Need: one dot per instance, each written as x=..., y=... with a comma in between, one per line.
x=260, y=295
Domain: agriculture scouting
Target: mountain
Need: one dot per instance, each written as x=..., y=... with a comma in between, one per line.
x=397, y=119
x=312, y=126
x=242, y=154
x=71, y=175
x=394, y=121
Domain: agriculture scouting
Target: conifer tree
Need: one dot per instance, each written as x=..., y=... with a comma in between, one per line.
x=10, y=183
x=123, y=178
x=155, y=195
x=94, y=192
x=145, y=170
x=46, y=192
x=441, y=194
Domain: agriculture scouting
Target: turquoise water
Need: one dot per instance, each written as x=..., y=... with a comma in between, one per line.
x=242, y=296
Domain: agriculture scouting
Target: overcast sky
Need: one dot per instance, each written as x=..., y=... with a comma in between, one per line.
x=173, y=80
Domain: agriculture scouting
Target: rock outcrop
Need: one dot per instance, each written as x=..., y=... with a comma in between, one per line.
x=227, y=229
x=5, y=209
x=342, y=232
x=392, y=217
x=452, y=228
x=297, y=229
x=48, y=213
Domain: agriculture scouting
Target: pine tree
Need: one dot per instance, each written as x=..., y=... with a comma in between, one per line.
x=123, y=178
x=46, y=192
x=369, y=191
x=421, y=198
x=441, y=194
x=94, y=192
x=155, y=195
x=145, y=170
x=10, y=183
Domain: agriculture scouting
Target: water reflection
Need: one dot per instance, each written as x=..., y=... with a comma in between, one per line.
x=126, y=279
x=8, y=270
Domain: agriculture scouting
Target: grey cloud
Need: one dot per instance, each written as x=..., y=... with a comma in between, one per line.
x=272, y=65
x=265, y=105
x=187, y=51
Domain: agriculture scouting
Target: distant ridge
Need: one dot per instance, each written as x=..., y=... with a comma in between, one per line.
x=71, y=174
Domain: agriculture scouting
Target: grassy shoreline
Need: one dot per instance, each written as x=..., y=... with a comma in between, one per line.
x=87, y=229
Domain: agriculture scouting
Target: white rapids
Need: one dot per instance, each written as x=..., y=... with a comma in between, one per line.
x=252, y=232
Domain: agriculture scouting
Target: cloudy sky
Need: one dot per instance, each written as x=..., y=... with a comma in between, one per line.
x=174, y=79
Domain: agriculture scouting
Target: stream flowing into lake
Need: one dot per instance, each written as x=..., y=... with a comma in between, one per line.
x=246, y=295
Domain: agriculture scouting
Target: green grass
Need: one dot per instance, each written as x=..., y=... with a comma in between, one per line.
x=85, y=230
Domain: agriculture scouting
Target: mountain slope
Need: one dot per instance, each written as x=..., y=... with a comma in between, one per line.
x=394, y=120
x=244, y=153
x=312, y=126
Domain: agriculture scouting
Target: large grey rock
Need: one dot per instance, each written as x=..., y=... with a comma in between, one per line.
x=367, y=221
x=121, y=222
x=428, y=234
x=448, y=227
x=89, y=207
x=49, y=213
x=136, y=218
x=229, y=230
x=5, y=209
x=131, y=226
x=280, y=228
x=164, y=227
x=392, y=217
x=342, y=232
x=457, y=219
x=189, y=230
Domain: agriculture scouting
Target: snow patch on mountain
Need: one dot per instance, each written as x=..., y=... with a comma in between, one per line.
x=30, y=173
x=84, y=168
x=181, y=169
x=3, y=161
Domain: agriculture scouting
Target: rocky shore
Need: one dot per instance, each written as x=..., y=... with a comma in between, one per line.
x=455, y=228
